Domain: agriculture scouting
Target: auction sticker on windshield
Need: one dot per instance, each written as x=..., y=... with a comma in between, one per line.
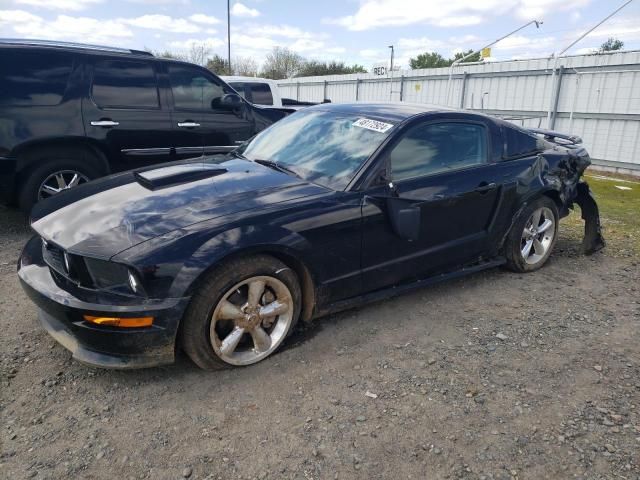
x=374, y=125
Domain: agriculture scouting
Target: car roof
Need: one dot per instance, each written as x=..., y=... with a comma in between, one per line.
x=56, y=45
x=392, y=111
x=240, y=78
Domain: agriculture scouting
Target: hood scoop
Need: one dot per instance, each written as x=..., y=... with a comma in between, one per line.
x=177, y=174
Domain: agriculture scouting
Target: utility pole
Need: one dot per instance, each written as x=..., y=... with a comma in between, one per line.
x=391, y=66
x=229, y=35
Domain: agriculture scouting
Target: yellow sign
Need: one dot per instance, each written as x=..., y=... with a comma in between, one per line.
x=485, y=53
x=417, y=87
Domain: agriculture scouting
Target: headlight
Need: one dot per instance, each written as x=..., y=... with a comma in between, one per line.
x=112, y=275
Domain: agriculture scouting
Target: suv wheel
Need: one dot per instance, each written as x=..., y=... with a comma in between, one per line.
x=53, y=176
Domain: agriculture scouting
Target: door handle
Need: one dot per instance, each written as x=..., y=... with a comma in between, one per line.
x=104, y=123
x=188, y=124
x=484, y=187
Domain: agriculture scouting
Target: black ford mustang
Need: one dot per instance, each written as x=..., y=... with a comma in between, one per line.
x=332, y=206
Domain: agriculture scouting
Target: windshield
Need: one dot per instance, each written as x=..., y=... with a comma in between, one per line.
x=324, y=147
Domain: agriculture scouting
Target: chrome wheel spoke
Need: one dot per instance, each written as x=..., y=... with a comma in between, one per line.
x=231, y=341
x=61, y=182
x=229, y=311
x=261, y=339
x=49, y=189
x=535, y=219
x=273, y=309
x=538, y=247
x=526, y=250
x=74, y=181
x=256, y=288
x=545, y=226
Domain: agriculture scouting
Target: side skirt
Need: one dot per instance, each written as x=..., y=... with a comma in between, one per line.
x=404, y=288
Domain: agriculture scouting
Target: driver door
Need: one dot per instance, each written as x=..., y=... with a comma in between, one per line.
x=438, y=213
x=204, y=125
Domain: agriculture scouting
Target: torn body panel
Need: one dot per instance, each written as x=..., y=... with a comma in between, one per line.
x=564, y=178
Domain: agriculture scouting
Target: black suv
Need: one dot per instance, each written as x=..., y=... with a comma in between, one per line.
x=70, y=113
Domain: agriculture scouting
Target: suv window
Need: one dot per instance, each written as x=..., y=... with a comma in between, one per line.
x=193, y=89
x=438, y=147
x=261, y=94
x=33, y=77
x=124, y=84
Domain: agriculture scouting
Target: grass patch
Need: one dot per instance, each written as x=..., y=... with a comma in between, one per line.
x=619, y=213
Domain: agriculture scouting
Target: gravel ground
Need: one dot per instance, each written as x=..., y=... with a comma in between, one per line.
x=498, y=375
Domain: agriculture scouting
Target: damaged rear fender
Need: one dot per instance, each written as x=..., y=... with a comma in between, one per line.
x=593, y=239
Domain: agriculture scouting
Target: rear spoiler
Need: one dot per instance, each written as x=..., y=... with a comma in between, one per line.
x=553, y=136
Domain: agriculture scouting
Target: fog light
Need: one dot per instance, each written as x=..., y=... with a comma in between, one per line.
x=131, y=322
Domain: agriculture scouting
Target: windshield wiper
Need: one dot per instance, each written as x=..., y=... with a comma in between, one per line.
x=276, y=166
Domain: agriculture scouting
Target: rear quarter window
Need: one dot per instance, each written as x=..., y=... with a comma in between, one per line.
x=261, y=94
x=33, y=77
x=519, y=143
x=124, y=84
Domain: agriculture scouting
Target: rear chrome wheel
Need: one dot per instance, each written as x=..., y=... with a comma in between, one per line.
x=251, y=320
x=60, y=181
x=537, y=236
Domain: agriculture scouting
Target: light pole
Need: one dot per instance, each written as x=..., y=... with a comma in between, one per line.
x=229, y=35
x=391, y=47
x=460, y=60
x=391, y=67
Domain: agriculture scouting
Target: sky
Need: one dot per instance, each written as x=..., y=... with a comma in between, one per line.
x=353, y=31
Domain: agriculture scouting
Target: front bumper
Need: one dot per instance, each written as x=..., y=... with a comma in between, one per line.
x=61, y=313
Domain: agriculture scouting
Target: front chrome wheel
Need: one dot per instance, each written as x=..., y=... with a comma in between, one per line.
x=60, y=181
x=537, y=236
x=251, y=320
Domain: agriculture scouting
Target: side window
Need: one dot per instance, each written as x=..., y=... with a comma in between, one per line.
x=239, y=87
x=438, y=147
x=33, y=77
x=193, y=89
x=261, y=94
x=124, y=84
x=519, y=143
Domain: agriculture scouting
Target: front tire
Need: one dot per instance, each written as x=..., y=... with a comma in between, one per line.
x=241, y=313
x=533, y=236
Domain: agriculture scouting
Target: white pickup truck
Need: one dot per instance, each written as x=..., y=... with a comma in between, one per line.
x=263, y=91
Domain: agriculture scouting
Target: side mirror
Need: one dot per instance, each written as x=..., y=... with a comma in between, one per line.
x=229, y=100
x=405, y=218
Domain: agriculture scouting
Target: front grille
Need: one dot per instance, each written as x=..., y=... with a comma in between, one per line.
x=54, y=257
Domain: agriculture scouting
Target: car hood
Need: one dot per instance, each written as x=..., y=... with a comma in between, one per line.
x=110, y=215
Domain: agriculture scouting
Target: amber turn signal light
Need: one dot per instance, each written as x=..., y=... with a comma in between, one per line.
x=120, y=322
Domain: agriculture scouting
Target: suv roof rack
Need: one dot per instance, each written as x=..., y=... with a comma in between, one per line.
x=84, y=46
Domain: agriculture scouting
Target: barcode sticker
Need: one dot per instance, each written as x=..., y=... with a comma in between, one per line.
x=374, y=125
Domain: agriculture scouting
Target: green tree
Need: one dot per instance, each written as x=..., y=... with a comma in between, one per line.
x=611, y=45
x=429, y=60
x=473, y=58
x=218, y=65
x=281, y=63
x=311, y=68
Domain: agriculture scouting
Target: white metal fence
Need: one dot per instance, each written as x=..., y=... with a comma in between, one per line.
x=594, y=96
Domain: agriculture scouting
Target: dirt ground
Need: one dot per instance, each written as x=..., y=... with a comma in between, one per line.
x=498, y=375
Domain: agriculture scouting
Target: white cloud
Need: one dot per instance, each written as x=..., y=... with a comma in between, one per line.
x=162, y=22
x=446, y=13
x=64, y=27
x=187, y=44
x=306, y=45
x=522, y=42
x=17, y=16
x=536, y=9
x=69, y=5
x=276, y=31
x=204, y=19
x=241, y=10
